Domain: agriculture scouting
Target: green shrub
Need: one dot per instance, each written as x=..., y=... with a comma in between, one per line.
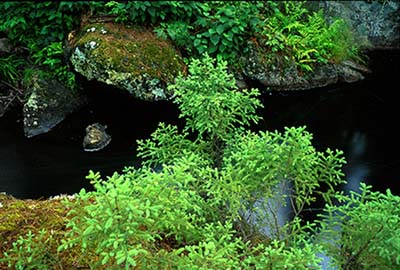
x=152, y=12
x=133, y=213
x=221, y=29
x=210, y=102
x=363, y=231
x=193, y=204
x=192, y=213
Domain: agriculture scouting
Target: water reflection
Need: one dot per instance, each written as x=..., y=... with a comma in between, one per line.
x=271, y=215
x=356, y=169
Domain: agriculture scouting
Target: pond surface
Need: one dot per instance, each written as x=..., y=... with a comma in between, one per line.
x=358, y=118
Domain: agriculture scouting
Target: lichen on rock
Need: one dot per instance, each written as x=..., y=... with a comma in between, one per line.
x=48, y=103
x=130, y=58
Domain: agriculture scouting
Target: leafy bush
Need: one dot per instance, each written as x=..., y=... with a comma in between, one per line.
x=188, y=214
x=41, y=28
x=40, y=23
x=221, y=29
x=51, y=57
x=210, y=102
x=363, y=232
x=147, y=12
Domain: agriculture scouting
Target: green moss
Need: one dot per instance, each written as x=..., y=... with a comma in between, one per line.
x=18, y=217
x=134, y=51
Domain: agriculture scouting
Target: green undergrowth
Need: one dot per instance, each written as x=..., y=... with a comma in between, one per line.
x=223, y=29
x=213, y=202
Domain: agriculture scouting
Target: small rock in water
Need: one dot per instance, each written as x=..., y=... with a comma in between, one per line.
x=96, y=138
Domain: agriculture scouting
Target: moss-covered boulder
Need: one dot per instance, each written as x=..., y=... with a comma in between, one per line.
x=128, y=57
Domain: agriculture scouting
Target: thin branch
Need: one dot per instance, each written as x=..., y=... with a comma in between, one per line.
x=354, y=256
x=10, y=101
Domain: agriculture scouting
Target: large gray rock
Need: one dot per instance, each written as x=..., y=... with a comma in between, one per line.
x=48, y=103
x=131, y=59
x=376, y=23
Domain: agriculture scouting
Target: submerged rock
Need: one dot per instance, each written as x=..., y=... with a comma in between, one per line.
x=48, y=103
x=130, y=58
x=96, y=138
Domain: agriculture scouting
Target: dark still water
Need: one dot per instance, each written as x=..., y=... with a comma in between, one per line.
x=360, y=118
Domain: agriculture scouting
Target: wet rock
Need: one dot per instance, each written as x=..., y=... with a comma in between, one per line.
x=132, y=59
x=48, y=103
x=96, y=138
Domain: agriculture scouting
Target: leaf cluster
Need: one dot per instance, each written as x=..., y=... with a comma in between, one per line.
x=304, y=37
x=221, y=29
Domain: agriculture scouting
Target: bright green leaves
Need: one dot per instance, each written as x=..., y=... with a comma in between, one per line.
x=305, y=37
x=146, y=12
x=278, y=255
x=364, y=231
x=31, y=252
x=273, y=167
x=167, y=145
x=210, y=102
x=131, y=212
